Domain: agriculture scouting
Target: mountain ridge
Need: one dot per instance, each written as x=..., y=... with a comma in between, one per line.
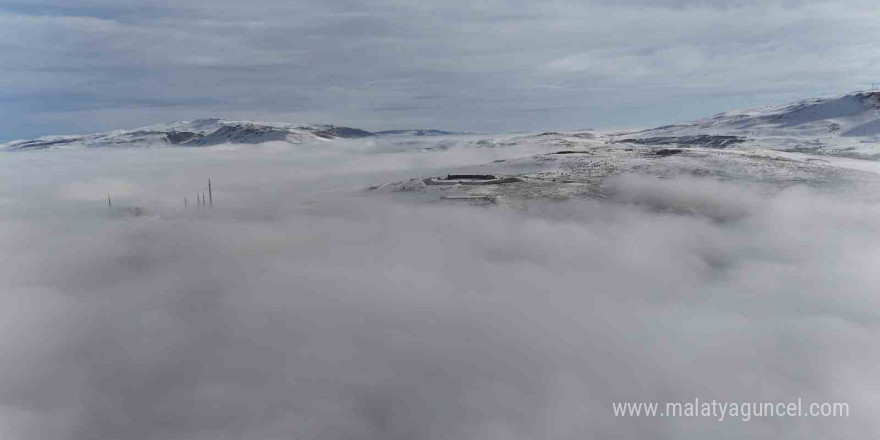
x=853, y=115
x=196, y=133
x=846, y=124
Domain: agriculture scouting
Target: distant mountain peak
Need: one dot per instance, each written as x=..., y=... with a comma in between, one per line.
x=196, y=133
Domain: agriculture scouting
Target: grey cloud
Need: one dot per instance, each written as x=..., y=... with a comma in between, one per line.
x=493, y=61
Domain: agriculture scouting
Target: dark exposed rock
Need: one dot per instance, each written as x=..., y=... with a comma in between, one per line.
x=584, y=135
x=428, y=132
x=470, y=177
x=664, y=152
x=479, y=180
x=703, y=140
x=39, y=144
x=180, y=137
x=241, y=134
x=330, y=132
x=493, y=182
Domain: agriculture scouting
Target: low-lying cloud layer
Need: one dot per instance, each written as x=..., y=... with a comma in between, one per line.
x=298, y=309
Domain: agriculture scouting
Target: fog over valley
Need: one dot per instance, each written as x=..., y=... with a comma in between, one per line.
x=302, y=303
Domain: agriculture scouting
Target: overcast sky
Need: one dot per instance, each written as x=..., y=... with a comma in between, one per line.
x=79, y=66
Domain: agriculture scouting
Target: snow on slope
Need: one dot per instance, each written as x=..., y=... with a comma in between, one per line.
x=812, y=142
x=585, y=167
x=846, y=125
x=202, y=132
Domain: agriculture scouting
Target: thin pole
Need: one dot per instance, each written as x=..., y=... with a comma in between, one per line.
x=110, y=205
x=210, y=196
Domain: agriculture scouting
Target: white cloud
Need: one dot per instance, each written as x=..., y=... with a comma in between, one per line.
x=295, y=308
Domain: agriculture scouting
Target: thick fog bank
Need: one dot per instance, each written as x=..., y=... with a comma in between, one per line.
x=296, y=308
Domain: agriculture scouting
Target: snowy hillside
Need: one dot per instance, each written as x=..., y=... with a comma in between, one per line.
x=846, y=125
x=815, y=142
x=202, y=132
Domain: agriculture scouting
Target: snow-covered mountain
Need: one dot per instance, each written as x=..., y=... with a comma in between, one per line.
x=202, y=132
x=813, y=142
x=847, y=125
x=844, y=125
